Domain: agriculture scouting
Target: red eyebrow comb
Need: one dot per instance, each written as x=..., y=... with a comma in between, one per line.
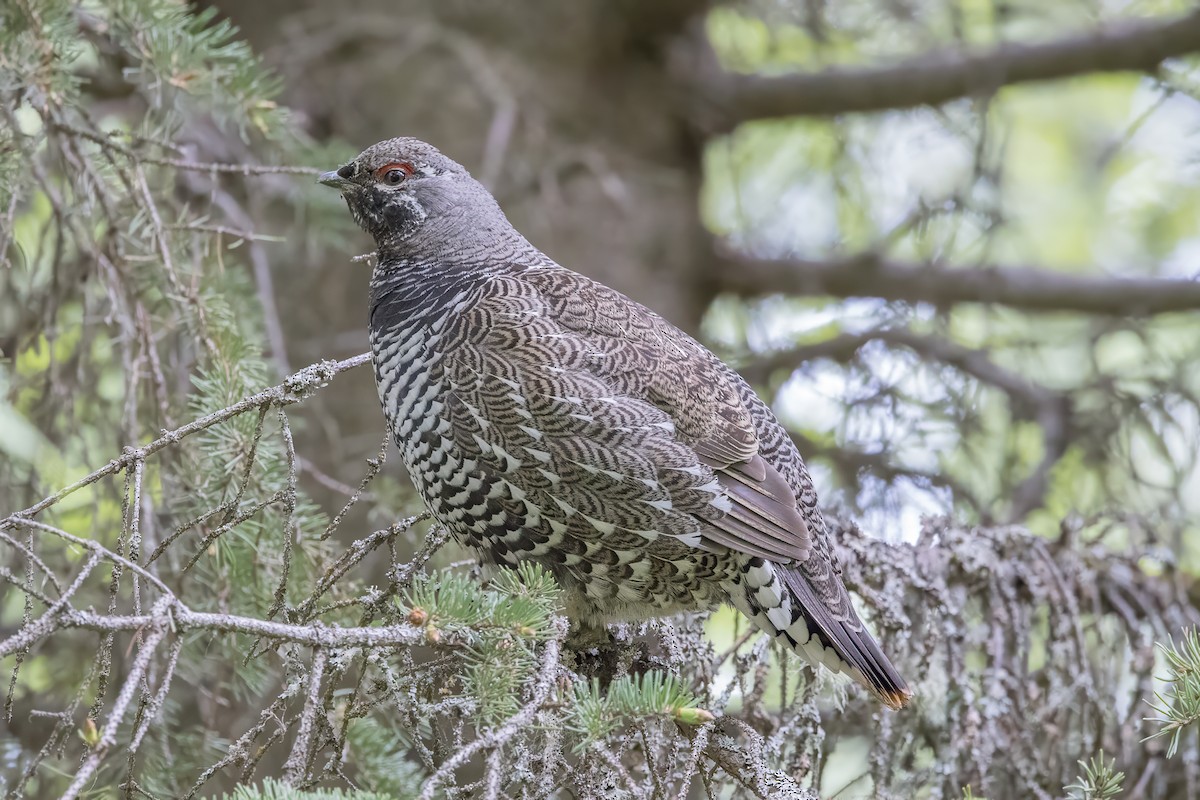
x=403, y=166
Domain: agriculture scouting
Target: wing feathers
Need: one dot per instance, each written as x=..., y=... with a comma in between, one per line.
x=763, y=519
x=643, y=359
x=743, y=533
x=722, y=449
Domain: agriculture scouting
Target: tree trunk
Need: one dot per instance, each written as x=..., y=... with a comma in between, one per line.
x=565, y=110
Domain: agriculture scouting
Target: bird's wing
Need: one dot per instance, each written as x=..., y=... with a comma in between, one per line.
x=647, y=361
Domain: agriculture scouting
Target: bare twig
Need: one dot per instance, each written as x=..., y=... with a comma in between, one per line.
x=108, y=737
x=94, y=546
x=313, y=635
x=373, y=466
x=618, y=769
x=699, y=743
x=349, y=559
x=296, y=767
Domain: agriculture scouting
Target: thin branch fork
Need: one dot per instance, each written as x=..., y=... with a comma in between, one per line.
x=108, y=737
x=941, y=77
x=1052, y=410
x=872, y=275
x=844, y=347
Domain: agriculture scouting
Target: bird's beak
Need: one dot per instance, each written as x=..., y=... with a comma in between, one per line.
x=331, y=178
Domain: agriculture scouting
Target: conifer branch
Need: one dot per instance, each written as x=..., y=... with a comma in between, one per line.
x=546, y=679
x=292, y=390
x=1178, y=705
x=1099, y=780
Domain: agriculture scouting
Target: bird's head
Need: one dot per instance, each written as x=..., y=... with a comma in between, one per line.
x=403, y=189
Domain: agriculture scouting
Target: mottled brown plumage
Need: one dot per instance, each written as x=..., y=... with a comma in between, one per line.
x=544, y=416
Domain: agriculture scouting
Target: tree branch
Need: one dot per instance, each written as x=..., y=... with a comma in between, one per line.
x=313, y=634
x=872, y=275
x=940, y=77
x=108, y=737
x=295, y=769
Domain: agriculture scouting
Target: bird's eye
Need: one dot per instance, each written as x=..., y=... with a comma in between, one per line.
x=394, y=173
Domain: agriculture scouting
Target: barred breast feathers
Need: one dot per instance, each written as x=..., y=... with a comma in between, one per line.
x=565, y=422
x=549, y=355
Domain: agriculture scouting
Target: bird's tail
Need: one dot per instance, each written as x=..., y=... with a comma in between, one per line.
x=783, y=602
x=854, y=650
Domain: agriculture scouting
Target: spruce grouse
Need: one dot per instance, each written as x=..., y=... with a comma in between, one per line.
x=544, y=416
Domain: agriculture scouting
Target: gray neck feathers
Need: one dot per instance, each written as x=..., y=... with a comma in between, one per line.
x=456, y=221
x=461, y=238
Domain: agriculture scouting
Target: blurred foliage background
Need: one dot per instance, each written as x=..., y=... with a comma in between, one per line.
x=1094, y=175
x=955, y=242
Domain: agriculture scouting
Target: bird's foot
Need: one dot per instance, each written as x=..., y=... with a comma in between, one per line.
x=610, y=659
